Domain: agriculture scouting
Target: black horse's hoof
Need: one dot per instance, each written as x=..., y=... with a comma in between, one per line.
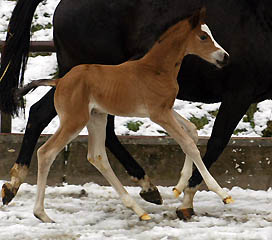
x=185, y=214
x=152, y=196
x=8, y=193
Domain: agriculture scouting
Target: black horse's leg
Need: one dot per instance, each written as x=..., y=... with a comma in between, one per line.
x=230, y=113
x=149, y=192
x=40, y=115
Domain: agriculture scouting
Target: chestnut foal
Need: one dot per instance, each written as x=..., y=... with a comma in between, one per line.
x=144, y=88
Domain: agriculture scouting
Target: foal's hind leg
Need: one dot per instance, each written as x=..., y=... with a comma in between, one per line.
x=98, y=157
x=186, y=171
x=46, y=156
x=186, y=210
x=41, y=113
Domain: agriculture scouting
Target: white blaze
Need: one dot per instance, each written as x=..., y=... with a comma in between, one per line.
x=206, y=29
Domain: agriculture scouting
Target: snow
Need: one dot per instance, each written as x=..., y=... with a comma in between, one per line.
x=43, y=16
x=96, y=212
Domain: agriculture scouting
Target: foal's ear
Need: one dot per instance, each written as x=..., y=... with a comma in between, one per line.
x=198, y=17
x=203, y=14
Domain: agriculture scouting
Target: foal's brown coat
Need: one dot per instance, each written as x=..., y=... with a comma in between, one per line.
x=145, y=88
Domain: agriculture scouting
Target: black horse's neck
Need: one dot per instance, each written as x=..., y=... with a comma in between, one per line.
x=169, y=49
x=166, y=12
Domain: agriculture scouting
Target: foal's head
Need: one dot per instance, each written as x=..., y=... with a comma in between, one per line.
x=202, y=43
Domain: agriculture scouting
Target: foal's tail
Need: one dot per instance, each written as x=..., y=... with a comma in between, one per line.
x=15, y=53
x=20, y=92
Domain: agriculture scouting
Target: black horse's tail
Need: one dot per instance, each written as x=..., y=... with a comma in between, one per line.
x=15, y=54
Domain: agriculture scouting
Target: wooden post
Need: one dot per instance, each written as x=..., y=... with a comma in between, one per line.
x=5, y=119
x=5, y=123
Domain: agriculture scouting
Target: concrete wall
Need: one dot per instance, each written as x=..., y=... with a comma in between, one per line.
x=245, y=162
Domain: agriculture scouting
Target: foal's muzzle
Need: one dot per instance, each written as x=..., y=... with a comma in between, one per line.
x=224, y=61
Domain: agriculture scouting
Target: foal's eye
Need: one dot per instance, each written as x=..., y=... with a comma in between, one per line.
x=203, y=37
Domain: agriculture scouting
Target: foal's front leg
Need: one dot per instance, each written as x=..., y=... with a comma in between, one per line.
x=98, y=157
x=169, y=122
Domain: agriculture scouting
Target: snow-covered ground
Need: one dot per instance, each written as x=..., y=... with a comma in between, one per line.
x=45, y=67
x=98, y=214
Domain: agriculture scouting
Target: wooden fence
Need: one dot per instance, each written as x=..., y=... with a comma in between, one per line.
x=35, y=46
x=38, y=46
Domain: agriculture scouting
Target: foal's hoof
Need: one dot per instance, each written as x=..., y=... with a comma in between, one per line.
x=44, y=218
x=185, y=214
x=176, y=192
x=8, y=193
x=228, y=200
x=152, y=196
x=145, y=217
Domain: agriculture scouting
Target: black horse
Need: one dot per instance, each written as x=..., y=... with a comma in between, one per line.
x=113, y=31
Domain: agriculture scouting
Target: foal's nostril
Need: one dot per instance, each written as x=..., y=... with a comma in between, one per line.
x=225, y=59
